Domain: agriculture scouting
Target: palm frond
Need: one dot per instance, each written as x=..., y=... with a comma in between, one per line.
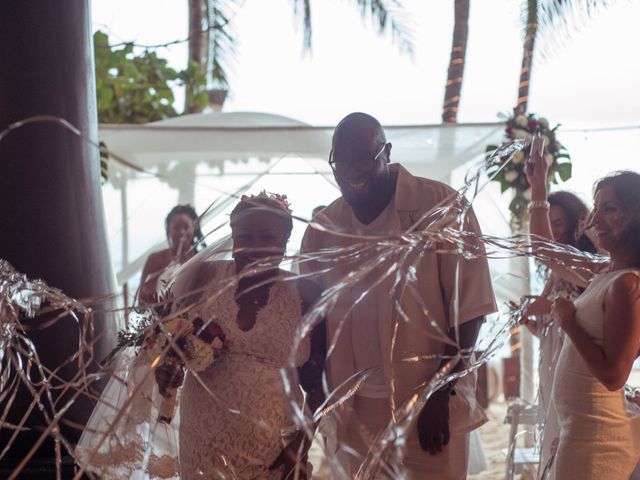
x=559, y=19
x=390, y=16
x=221, y=48
x=387, y=15
x=302, y=10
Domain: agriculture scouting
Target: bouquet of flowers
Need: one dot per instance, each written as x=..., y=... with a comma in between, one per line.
x=509, y=170
x=180, y=342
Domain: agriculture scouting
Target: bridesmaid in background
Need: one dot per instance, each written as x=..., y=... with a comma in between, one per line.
x=567, y=214
x=184, y=238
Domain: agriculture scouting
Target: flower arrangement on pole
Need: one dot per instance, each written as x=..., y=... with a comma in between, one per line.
x=509, y=169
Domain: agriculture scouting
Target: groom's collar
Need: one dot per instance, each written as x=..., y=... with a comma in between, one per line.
x=406, y=195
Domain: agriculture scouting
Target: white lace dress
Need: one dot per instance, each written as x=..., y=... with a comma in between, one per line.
x=239, y=429
x=599, y=435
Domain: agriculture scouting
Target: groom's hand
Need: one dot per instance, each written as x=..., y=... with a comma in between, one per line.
x=433, y=423
x=168, y=378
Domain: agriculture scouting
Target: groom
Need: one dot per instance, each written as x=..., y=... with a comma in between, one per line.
x=376, y=332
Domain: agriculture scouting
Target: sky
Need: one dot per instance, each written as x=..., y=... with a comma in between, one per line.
x=590, y=80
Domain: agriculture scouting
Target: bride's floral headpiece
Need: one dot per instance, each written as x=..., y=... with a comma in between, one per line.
x=280, y=200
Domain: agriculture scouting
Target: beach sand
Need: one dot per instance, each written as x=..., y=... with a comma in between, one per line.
x=494, y=436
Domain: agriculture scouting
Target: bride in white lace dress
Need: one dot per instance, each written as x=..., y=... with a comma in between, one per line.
x=235, y=421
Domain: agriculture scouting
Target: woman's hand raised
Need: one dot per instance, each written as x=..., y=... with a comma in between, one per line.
x=536, y=171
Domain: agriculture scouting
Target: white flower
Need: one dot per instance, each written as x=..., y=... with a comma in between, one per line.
x=544, y=123
x=177, y=325
x=511, y=176
x=199, y=354
x=518, y=158
x=520, y=134
x=521, y=121
x=548, y=158
x=527, y=194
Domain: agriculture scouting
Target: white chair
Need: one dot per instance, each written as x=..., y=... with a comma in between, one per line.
x=520, y=458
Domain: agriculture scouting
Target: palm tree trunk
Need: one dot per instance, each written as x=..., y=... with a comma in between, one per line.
x=456, y=63
x=527, y=55
x=197, y=45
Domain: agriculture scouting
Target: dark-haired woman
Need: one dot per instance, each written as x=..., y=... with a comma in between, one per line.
x=235, y=417
x=599, y=437
x=184, y=238
x=566, y=216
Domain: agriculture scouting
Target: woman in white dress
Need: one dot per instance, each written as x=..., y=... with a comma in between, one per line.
x=235, y=421
x=598, y=439
x=599, y=436
x=566, y=216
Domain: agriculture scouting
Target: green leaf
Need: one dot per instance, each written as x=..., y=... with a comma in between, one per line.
x=564, y=171
x=130, y=87
x=100, y=39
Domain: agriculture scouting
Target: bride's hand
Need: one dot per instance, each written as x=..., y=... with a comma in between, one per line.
x=168, y=378
x=289, y=458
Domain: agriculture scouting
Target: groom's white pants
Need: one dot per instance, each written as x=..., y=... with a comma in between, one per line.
x=370, y=416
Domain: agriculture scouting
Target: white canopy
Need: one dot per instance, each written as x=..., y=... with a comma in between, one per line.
x=217, y=138
x=215, y=157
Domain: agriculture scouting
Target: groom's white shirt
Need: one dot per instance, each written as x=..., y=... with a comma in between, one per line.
x=410, y=337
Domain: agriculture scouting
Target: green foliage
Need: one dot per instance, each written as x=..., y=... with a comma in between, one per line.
x=564, y=171
x=195, y=83
x=137, y=88
x=507, y=165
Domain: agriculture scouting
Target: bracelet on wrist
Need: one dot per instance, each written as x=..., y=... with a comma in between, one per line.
x=539, y=205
